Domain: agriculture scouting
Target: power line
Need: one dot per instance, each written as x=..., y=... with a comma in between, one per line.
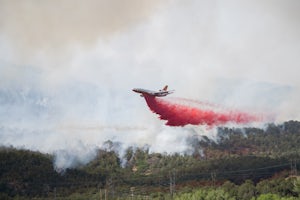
x=144, y=185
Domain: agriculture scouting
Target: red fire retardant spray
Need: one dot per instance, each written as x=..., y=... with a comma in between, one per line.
x=177, y=114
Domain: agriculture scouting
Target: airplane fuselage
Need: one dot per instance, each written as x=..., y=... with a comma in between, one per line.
x=160, y=93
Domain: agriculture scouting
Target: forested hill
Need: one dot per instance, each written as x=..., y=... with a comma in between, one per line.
x=238, y=155
x=274, y=140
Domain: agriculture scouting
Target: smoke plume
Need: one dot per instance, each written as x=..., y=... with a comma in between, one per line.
x=67, y=69
x=55, y=24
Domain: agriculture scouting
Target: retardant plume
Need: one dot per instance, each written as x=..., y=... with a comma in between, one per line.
x=178, y=114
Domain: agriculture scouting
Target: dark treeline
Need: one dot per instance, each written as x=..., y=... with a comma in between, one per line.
x=239, y=156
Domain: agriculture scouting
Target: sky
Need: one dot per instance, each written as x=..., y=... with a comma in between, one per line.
x=67, y=69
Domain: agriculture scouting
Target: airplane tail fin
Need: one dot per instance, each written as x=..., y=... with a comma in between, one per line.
x=165, y=88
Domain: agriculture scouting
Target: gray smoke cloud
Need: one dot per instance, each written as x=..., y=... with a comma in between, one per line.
x=54, y=24
x=67, y=69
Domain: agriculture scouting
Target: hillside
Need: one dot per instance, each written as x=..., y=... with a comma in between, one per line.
x=239, y=155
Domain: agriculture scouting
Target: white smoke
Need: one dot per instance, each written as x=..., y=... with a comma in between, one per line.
x=65, y=87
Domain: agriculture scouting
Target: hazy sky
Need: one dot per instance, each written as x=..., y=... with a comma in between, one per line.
x=67, y=68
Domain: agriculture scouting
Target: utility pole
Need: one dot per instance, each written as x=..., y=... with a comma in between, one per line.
x=172, y=182
x=55, y=193
x=110, y=187
x=293, y=168
x=100, y=194
x=132, y=190
x=213, y=178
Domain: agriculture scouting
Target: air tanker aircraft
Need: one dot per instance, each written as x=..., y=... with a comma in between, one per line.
x=160, y=93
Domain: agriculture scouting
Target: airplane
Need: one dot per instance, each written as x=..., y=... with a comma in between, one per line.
x=161, y=93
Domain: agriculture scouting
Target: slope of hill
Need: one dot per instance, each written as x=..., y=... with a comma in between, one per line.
x=239, y=155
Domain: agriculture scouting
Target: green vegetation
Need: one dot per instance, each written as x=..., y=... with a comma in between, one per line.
x=245, y=191
x=247, y=163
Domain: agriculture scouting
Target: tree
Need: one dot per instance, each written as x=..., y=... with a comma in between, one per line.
x=268, y=197
x=230, y=188
x=246, y=191
x=218, y=194
x=264, y=187
x=297, y=187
